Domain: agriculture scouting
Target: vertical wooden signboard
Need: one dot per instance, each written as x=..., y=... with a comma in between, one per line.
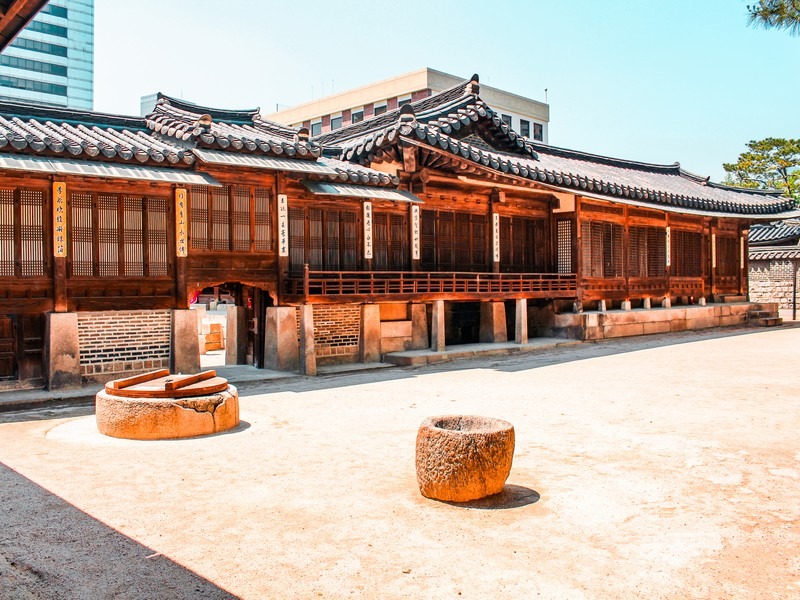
x=181, y=227
x=496, y=237
x=59, y=219
x=415, y=233
x=368, y=230
x=283, y=225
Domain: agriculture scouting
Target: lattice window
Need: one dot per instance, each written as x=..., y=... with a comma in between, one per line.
x=332, y=242
x=82, y=235
x=523, y=245
x=398, y=242
x=444, y=241
x=133, y=235
x=157, y=250
x=31, y=234
x=7, y=253
x=687, y=252
x=349, y=240
x=727, y=256
x=601, y=251
x=462, y=242
x=108, y=235
x=230, y=218
x=219, y=207
x=380, y=241
x=428, y=239
x=198, y=218
x=297, y=239
x=263, y=230
x=240, y=218
x=647, y=252
x=564, y=234
x=478, y=242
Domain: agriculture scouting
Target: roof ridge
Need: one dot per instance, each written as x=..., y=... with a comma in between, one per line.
x=39, y=111
x=609, y=160
x=223, y=114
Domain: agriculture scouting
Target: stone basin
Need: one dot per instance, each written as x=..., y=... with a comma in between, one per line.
x=159, y=406
x=463, y=457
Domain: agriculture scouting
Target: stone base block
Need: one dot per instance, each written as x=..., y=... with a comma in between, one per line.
x=461, y=458
x=166, y=418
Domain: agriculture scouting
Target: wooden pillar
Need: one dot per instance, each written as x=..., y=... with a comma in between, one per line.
x=437, y=326
x=282, y=227
x=62, y=352
x=578, y=256
x=308, y=350
x=181, y=247
x=521, y=321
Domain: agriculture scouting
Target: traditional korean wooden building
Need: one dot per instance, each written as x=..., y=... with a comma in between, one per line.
x=433, y=224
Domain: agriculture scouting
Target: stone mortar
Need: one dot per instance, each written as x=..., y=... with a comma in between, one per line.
x=461, y=458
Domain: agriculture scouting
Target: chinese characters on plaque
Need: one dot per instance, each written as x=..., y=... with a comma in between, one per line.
x=59, y=219
x=283, y=225
x=496, y=236
x=415, y=248
x=181, y=212
x=368, y=230
x=669, y=248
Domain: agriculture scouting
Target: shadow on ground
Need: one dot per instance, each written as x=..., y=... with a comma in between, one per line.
x=512, y=496
x=50, y=549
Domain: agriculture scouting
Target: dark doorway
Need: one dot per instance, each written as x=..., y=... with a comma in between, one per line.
x=256, y=315
x=462, y=322
x=21, y=345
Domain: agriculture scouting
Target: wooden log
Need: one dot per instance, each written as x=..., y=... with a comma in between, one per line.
x=185, y=380
x=136, y=379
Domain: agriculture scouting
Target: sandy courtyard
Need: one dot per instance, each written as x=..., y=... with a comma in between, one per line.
x=665, y=467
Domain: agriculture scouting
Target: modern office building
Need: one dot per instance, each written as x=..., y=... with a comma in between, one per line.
x=527, y=117
x=52, y=60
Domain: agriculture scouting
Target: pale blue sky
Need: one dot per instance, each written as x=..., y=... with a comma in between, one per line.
x=682, y=80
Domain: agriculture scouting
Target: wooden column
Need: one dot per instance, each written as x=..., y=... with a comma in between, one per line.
x=578, y=255
x=521, y=321
x=181, y=246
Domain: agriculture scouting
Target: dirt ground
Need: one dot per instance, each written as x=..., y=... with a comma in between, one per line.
x=659, y=467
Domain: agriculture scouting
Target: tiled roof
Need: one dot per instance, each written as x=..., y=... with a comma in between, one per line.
x=774, y=233
x=774, y=252
x=355, y=173
x=237, y=130
x=447, y=121
x=56, y=131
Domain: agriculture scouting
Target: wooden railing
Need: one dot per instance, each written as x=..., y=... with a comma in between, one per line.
x=405, y=283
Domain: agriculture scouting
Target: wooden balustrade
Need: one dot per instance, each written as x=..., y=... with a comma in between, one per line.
x=395, y=284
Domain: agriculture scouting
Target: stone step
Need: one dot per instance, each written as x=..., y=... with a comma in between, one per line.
x=756, y=314
x=767, y=321
x=728, y=299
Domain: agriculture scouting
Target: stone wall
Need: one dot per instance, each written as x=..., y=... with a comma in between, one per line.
x=113, y=343
x=771, y=281
x=336, y=332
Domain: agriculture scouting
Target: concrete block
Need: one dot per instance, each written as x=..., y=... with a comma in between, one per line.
x=701, y=301
x=601, y=306
x=729, y=320
x=308, y=350
x=521, y=321
x=235, y=336
x=370, y=337
x=185, y=353
x=626, y=305
x=396, y=329
x=646, y=304
x=393, y=311
x=702, y=323
x=629, y=329
x=395, y=344
x=281, y=351
x=493, y=323
x=437, y=326
x=656, y=327
x=62, y=351
x=419, y=327
x=666, y=303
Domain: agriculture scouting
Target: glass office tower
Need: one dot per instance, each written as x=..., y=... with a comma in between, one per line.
x=52, y=59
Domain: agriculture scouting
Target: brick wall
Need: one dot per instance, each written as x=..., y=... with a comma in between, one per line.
x=125, y=341
x=336, y=332
x=771, y=281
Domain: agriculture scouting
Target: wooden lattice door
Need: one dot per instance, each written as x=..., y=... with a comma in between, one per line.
x=8, y=349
